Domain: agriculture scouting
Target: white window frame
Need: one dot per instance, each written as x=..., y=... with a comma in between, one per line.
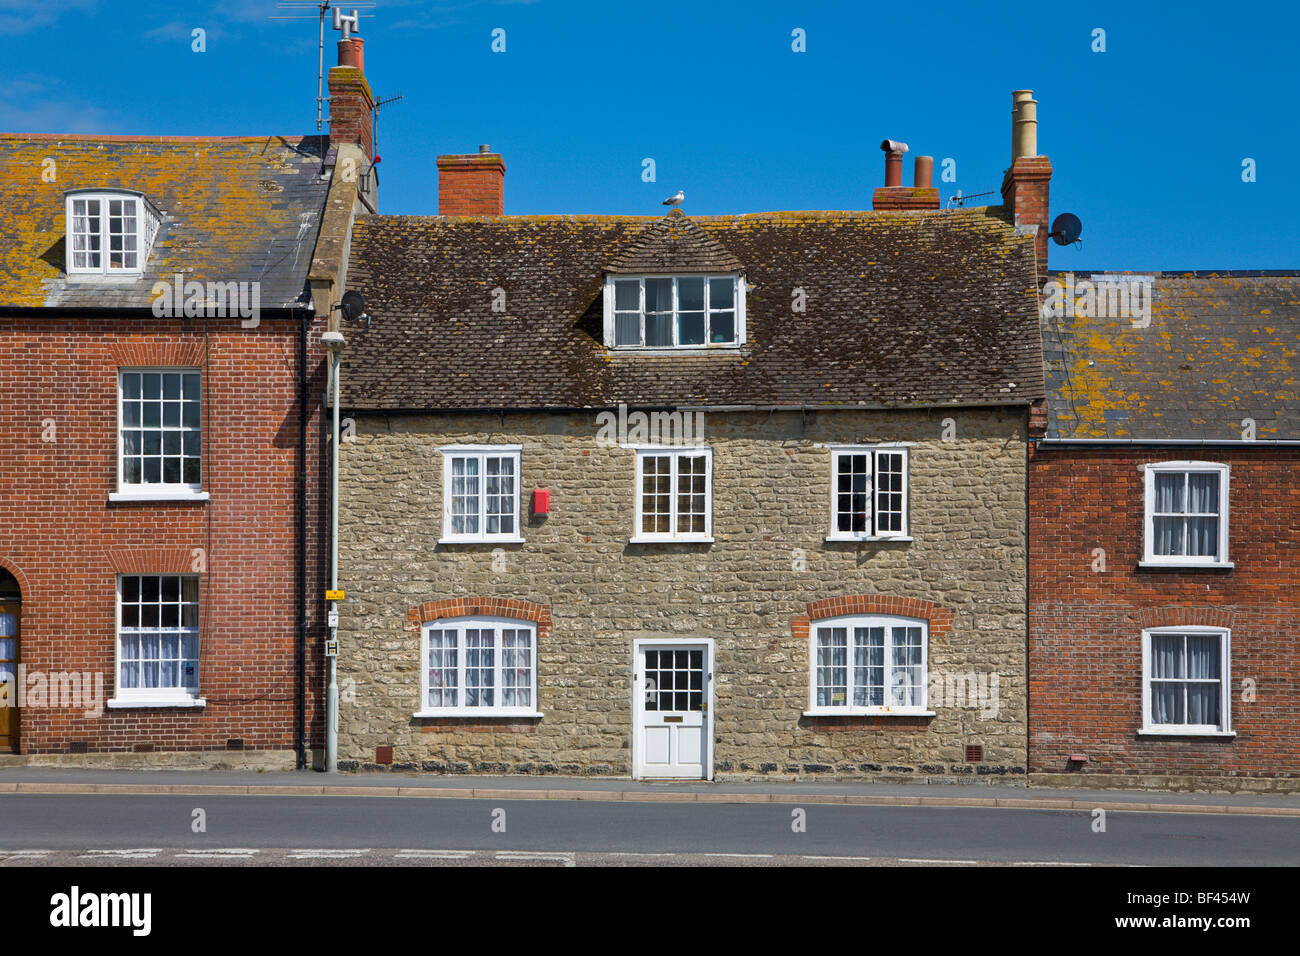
x=738, y=298
x=1225, y=690
x=838, y=451
x=461, y=624
x=646, y=451
x=147, y=220
x=1152, y=560
x=481, y=452
x=850, y=622
x=160, y=490
x=128, y=697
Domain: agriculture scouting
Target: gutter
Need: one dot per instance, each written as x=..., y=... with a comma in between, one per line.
x=1184, y=442
x=645, y=406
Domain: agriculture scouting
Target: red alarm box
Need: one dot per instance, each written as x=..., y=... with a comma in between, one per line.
x=541, y=501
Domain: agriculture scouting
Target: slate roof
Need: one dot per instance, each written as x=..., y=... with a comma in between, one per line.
x=234, y=209
x=1220, y=348
x=904, y=309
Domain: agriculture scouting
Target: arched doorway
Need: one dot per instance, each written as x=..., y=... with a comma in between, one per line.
x=10, y=607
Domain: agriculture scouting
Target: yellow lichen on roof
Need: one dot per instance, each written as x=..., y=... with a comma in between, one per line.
x=224, y=201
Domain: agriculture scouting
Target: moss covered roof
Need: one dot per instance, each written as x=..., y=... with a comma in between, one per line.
x=902, y=310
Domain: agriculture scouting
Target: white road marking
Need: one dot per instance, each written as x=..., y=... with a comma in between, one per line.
x=121, y=854
x=806, y=857
x=217, y=853
x=326, y=854
x=740, y=856
x=1047, y=863
x=22, y=853
x=526, y=856
x=904, y=859
x=435, y=854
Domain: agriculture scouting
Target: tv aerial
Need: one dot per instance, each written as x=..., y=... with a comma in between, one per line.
x=346, y=24
x=1066, y=229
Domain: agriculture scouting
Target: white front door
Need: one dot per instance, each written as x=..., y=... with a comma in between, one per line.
x=673, y=693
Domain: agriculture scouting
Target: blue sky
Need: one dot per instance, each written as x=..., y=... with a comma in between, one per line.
x=1146, y=139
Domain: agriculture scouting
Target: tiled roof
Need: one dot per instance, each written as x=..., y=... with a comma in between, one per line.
x=674, y=244
x=903, y=310
x=1218, y=348
x=234, y=209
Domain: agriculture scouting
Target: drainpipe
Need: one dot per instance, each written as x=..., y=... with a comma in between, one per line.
x=334, y=342
x=300, y=729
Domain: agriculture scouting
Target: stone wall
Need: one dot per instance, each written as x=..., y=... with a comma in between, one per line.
x=752, y=590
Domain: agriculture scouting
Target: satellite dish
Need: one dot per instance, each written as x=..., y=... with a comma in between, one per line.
x=1066, y=228
x=354, y=306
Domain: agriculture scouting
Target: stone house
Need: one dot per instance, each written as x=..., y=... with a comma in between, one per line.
x=161, y=301
x=1164, y=559
x=690, y=496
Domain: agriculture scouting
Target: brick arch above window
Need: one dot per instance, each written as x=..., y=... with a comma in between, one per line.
x=24, y=585
x=938, y=616
x=540, y=614
x=172, y=560
x=154, y=354
x=1184, y=617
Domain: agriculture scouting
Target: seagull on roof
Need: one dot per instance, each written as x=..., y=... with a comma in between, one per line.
x=677, y=199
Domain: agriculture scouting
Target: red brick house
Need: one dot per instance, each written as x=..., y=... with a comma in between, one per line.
x=1164, y=577
x=161, y=538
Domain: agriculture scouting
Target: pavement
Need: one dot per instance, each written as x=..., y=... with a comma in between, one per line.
x=41, y=780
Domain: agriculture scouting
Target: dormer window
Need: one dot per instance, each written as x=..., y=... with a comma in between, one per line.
x=674, y=312
x=109, y=232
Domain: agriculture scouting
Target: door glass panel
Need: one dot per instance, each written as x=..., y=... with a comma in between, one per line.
x=674, y=681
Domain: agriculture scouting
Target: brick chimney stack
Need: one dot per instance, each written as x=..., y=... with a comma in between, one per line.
x=472, y=184
x=894, y=195
x=352, y=105
x=1025, y=185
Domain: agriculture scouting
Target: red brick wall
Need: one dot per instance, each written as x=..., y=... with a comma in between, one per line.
x=352, y=107
x=905, y=197
x=1085, y=626
x=66, y=544
x=471, y=185
x=1025, y=192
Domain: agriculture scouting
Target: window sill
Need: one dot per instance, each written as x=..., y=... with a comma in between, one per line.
x=144, y=497
x=868, y=712
x=506, y=540
x=126, y=703
x=477, y=713
x=683, y=350
x=1184, y=732
x=94, y=275
x=869, y=537
x=656, y=539
x=1185, y=566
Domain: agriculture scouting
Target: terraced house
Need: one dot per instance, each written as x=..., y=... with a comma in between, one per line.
x=1164, y=558
x=161, y=301
x=690, y=496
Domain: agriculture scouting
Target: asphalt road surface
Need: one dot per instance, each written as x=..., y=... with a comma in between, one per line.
x=104, y=829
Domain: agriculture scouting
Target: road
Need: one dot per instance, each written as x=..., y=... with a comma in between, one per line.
x=76, y=829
